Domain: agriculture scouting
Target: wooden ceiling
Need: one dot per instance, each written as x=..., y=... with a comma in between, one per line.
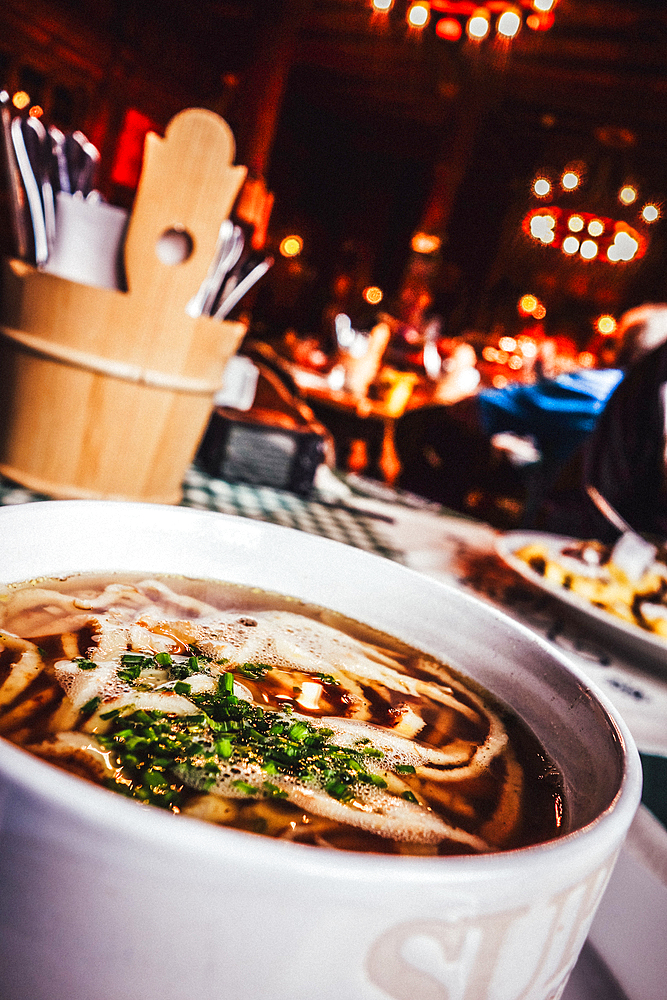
x=602, y=58
x=359, y=99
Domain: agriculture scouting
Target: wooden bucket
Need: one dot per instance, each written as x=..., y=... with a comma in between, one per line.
x=106, y=394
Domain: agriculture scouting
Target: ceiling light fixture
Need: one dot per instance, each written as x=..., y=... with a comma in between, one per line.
x=453, y=20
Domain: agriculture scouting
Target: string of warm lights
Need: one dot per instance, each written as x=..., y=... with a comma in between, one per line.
x=589, y=234
x=453, y=20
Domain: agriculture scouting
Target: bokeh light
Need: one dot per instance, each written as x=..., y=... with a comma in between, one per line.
x=21, y=100
x=425, y=243
x=527, y=345
x=606, y=325
x=449, y=28
x=624, y=247
x=542, y=227
x=418, y=15
x=478, y=25
x=588, y=249
x=527, y=303
x=291, y=246
x=509, y=23
x=373, y=295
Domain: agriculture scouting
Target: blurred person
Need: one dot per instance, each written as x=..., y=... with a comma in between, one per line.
x=558, y=411
x=625, y=458
x=448, y=451
x=459, y=376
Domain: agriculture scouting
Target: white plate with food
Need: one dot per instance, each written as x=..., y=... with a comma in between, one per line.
x=581, y=574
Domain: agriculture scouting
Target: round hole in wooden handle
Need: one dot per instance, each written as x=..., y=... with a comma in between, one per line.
x=174, y=246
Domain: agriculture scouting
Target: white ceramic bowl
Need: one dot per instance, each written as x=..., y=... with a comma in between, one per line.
x=104, y=899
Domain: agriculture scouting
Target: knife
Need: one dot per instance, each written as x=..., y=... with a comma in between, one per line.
x=17, y=202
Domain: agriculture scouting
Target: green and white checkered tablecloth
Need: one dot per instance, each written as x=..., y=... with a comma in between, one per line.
x=316, y=513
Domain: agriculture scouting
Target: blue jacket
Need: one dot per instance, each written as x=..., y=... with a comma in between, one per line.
x=558, y=413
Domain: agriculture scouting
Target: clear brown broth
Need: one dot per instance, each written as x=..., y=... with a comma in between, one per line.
x=542, y=815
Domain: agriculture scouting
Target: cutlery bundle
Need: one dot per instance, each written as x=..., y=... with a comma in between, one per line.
x=46, y=167
x=42, y=162
x=231, y=274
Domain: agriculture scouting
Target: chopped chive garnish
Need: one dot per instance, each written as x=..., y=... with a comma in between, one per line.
x=327, y=678
x=243, y=786
x=162, y=755
x=254, y=671
x=112, y=714
x=298, y=731
x=223, y=748
x=84, y=664
x=273, y=791
x=91, y=706
x=226, y=683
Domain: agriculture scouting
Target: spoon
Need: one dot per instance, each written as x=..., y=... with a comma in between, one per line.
x=88, y=159
x=38, y=144
x=228, y=249
x=195, y=306
x=243, y=286
x=58, y=147
x=631, y=553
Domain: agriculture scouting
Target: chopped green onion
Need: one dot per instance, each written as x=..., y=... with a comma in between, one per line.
x=112, y=714
x=243, y=786
x=298, y=731
x=226, y=683
x=91, y=706
x=84, y=664
x=327, y=678
x=273, y=791
x=254, y=671
x=223, y=748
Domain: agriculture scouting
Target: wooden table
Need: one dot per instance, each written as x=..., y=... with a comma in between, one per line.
x=400, y=392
